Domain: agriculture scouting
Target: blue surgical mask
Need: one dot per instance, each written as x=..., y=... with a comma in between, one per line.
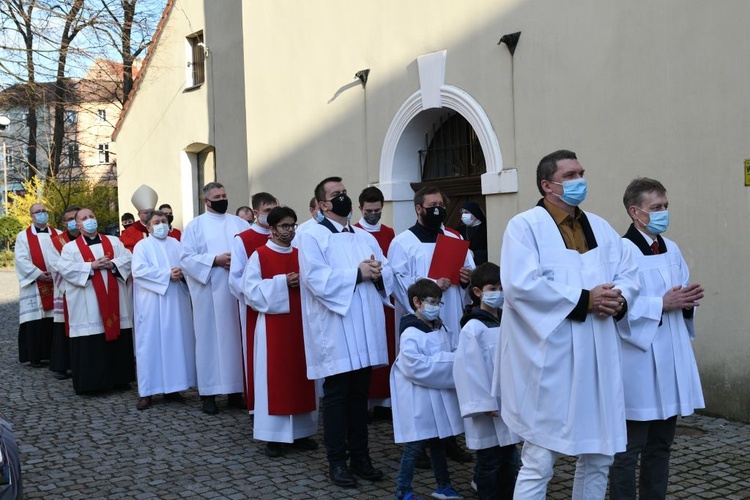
x=467, y=219
x=72, y=225
x=430, y=312
x=574, y=191
x=494, y=299
x=41, y=218
x=90, y=225
x=658, y=223
x=161, y=230
x=319, y=216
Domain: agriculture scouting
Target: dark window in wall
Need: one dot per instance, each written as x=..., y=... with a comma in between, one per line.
x=197, y=60
x=103, y=153
x=453, y=161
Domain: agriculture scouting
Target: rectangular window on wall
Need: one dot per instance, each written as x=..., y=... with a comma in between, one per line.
x=73, y=155
x=71, y=117
x=102, y=115
x=103, y=153
x=195, y=54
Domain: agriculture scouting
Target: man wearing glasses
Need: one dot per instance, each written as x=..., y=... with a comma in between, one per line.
x=345, y=281
x=35, y=257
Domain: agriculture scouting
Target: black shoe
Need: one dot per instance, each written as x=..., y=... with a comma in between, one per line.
x=363, y=468
x=274, y=450
x=175, y=397
x=36, y=364
x=382, y=413
x=236, y=401
x=305, y=444
x=422, y=461
x=341, y=476
x=455, y=452
x=209, y=405
x=60, y=375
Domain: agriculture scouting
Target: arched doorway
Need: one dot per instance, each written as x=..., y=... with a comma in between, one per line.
x=452, y=160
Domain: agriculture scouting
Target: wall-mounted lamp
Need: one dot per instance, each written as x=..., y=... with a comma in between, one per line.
x=362, y=75
x=511, y=40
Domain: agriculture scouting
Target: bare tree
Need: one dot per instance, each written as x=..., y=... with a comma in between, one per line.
x=20, y=13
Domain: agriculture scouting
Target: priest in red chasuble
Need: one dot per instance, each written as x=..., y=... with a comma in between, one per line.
x=144, y=200
x=34, y=256
x=95, y=268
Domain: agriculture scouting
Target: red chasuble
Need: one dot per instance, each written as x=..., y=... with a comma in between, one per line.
x=108, y=298
x=289, y=390
x=251, y=240
x=380, y=387
x=46, y=289
x=175, y=233
x=133, y=234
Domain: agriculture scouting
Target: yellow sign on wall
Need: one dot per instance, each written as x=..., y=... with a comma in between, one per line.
x=747, y=172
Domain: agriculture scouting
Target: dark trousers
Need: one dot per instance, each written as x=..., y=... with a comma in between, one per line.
x=495, y=472
x=652, y=440
x=345, y=415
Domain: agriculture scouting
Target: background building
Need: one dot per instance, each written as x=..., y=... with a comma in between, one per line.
x=264, y=96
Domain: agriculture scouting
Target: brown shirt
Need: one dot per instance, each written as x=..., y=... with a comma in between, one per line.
x=571, y=231
x=570, y=227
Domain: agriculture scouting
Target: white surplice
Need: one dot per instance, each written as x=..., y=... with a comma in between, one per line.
x=410, y=260
x=661, y=375
x=560, y=379
x=271, y=296
x=84, y=316
x=29, y=300
x=216, y=320
x=423, y=394
x=343, y=321
x=473, y=370
x=236, y=268
x=163, y=322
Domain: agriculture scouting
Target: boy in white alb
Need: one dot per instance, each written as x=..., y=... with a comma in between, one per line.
x=422, y=390
x=478, y=342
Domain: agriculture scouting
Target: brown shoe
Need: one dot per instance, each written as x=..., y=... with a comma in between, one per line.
x=144, y=403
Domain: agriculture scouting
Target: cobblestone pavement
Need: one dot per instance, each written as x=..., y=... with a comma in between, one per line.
x=102, y=447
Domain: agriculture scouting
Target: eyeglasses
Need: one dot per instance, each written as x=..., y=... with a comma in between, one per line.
x=432, y=302
x=286, y=227
x=43, y=211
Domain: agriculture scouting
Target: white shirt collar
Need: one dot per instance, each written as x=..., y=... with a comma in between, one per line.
x=260, y=229
x=648, y=238
x=278, y=248
x=369, y=228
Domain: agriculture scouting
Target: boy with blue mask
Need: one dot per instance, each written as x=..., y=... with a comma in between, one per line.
x=486, y=432
x=423, y=393
x=662, y=379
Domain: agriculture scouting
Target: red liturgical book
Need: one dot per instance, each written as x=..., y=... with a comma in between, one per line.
x=448, y=259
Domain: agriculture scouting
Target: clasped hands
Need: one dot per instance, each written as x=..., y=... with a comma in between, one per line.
x=102, y=263
x=680, y=297
x=371, y=269
x=607, y=300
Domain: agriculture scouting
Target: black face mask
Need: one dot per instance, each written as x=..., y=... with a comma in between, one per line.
x=170, y=218
x=372, y=218
x=219, y=206
x=127, y=225
x=432, y=217
x=341, y=205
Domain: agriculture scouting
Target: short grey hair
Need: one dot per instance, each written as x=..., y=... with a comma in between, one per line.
x=211, y=185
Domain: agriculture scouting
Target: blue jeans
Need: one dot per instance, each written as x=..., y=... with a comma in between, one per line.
x=411, y=452
x=495, y=472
